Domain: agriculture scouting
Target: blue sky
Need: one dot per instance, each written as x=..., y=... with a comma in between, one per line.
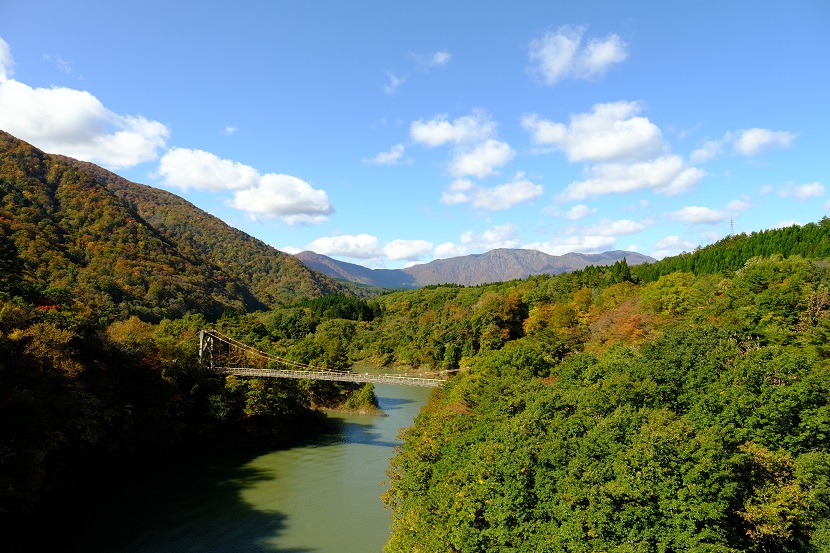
x=389, y=133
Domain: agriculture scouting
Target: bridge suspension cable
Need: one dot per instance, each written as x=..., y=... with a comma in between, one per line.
x=225, y=355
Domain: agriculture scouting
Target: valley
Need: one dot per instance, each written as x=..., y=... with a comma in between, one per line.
x=625, y=405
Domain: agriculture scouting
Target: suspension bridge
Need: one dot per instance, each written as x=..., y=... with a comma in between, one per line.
x=225, y=355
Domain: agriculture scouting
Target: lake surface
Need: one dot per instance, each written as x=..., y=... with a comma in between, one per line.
x=322, y=497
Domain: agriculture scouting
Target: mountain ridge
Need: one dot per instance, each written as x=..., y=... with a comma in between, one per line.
x=497, y=265
x=124, y=248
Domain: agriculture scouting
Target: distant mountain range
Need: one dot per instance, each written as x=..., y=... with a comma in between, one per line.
x=85, y=235
x=469, y=270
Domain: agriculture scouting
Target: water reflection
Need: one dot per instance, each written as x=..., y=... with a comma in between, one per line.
x=198, y=509
x=321, y=497
x=367, y=434
x=393, y=403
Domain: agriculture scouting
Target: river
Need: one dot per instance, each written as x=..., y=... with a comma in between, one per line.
x=322, y=497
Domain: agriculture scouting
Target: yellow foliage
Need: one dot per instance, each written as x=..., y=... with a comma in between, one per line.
x=48, y=342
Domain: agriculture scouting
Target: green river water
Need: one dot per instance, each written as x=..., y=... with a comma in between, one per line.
x=322, y=497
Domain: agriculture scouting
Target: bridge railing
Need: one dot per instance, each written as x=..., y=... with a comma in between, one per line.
x=208, y=356
x=338, y=376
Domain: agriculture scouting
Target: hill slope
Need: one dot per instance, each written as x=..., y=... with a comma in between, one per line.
x=121, y=247
x=494, y=266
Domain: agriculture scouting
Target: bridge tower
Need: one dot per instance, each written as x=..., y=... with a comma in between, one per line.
x=206, y=351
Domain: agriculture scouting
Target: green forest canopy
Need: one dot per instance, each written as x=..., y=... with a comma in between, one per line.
x=677, y=406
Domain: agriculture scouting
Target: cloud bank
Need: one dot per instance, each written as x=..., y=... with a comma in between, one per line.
x=475, y=150
x=610, y=132
x=367, y=247
x=75, y=123
x=275, y=195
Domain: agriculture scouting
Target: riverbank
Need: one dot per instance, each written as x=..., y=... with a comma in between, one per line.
x=114, y=492
x=322, y=495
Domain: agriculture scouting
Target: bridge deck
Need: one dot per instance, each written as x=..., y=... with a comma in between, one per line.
x=340, y=376
x=234, y=357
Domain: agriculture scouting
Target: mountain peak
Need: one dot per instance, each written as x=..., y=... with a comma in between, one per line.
x=496, y=265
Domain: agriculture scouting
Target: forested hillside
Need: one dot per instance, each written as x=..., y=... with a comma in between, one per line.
x=690, y=413
x=84, y=401
x=678, y=406
x=271, y=277
x=88, y=237
x=596, y=411
x=104, y=285
x=730, y=253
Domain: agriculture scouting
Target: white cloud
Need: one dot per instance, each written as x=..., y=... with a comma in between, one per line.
x=482, y=160
x=500, y=236
x=610, y=132
x=62, y=65
x=803, y=192
x=576, y=243
x=596, y=238
x=440, y=58
x=75, y=123
x=447, y=250
x=617, y=228
x=459, y=192
x=765, y=190
x=185, y=168
x=475, y=150
x=367, y=248
x=230, y=130
x=394, y=83
x=579, y=211
x=435, y=59
x=599, y=55
x=411, y=250
x=503, y=196
x=736, y=206
x=675, y=242
x=667, y=175
x=464, y=130
x=698, y=215
x=290, y=249
x=787, y=223
x=751, y=142
x=553, y=55
x=747, y=142
x=362, y=246
x=284, y=196
x=6, y=60
x=709, y=150
x=387, y=158
x=671, y=245
x=558, y=55
x=272, y=194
